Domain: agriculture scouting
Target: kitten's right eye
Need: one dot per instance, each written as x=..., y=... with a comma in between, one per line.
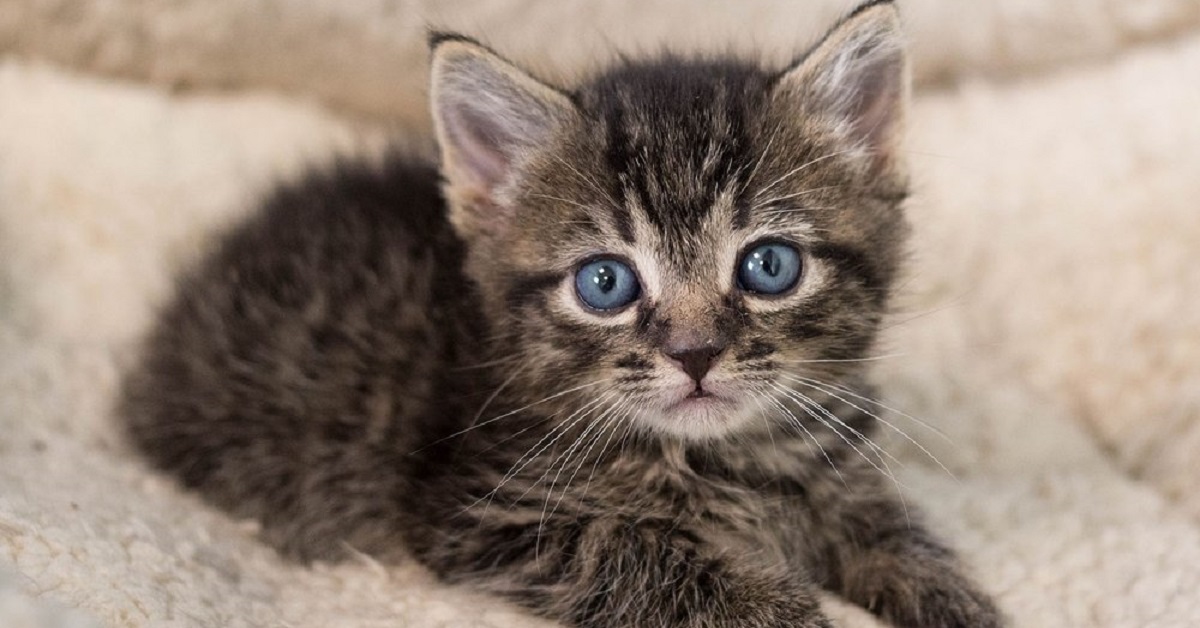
x=606, y=284
x=769, y=268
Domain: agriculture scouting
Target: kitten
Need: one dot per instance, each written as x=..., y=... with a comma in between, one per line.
x=609, y=366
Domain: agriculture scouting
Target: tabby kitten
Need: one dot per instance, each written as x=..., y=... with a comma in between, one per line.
x=608, y=365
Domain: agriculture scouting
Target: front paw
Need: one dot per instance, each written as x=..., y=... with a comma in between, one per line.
x=806, y=617
x=947, y=603
x=794, y=609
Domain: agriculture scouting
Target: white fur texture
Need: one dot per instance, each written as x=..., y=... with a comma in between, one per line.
x=1050, y=328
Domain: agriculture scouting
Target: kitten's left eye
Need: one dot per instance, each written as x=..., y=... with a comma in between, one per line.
x=769, y=268
x=606, y=284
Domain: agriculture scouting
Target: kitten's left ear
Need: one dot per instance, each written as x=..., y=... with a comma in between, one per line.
x=856, y=79
x=490, y=117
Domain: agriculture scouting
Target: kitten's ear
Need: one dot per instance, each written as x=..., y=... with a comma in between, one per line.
x=489, y=116
x=856, y=78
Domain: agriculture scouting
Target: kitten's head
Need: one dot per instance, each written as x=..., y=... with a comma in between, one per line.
x=676, y=241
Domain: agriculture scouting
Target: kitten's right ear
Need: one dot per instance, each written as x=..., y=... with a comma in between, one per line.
x=489, y=117
x=856, y=79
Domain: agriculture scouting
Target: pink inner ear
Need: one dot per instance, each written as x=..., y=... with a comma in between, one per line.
x=476, y=145
x=490, y=117
x=855, y=79
x=876, y=110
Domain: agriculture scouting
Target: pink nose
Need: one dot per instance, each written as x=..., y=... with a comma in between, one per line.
x=695, y=361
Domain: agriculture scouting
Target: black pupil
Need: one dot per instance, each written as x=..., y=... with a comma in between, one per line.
x=770, y=262
x=605, y=279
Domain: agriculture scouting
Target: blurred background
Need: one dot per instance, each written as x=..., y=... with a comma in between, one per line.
x=367, y=56
x=1050, y=324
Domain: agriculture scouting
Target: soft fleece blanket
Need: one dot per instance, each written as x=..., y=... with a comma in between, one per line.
x=1050, y=326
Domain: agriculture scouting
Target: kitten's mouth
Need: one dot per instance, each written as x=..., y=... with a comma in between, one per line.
x=708, y=399
x=698, y=397
x=701, y=411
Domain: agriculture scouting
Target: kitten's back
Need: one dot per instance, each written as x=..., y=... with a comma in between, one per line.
x=304, y=354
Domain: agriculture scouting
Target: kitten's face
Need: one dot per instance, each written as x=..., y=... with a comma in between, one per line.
x=683, y=242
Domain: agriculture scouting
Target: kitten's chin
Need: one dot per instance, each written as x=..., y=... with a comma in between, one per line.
x=702, y=418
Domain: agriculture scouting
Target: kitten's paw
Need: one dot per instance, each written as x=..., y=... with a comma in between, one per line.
x=920, y=586
x=782, y=609
x=944, y=605
x=799, y=612
x=963, y=608
x=811, y=619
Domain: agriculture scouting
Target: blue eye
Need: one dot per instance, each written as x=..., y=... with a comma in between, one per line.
x=770, y=268
x=606, y=284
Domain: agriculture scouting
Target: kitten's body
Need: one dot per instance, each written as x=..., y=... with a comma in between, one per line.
x=361, y=366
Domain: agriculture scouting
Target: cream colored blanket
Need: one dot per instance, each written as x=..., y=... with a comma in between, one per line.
x=1051, y=325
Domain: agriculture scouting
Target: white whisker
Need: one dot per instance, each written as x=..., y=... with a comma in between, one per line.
x=561, y=200
x=607, y=420
x=565, y=456
x=795, y=421
x=616, y=424
x=582, y=177
x=785, y=197
x=789, y=174
x=867, y=359
x=763, y=413
x=836, y=419
x=566, y=425
x=762, y=156
x=815, y=384
x=876, y=402
x=495, y=393
x=555, y=433
x=490, y=363
x=811, y=405
x=781, y=211
x=561, y=462
x=510, y=413
x=804, y=402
